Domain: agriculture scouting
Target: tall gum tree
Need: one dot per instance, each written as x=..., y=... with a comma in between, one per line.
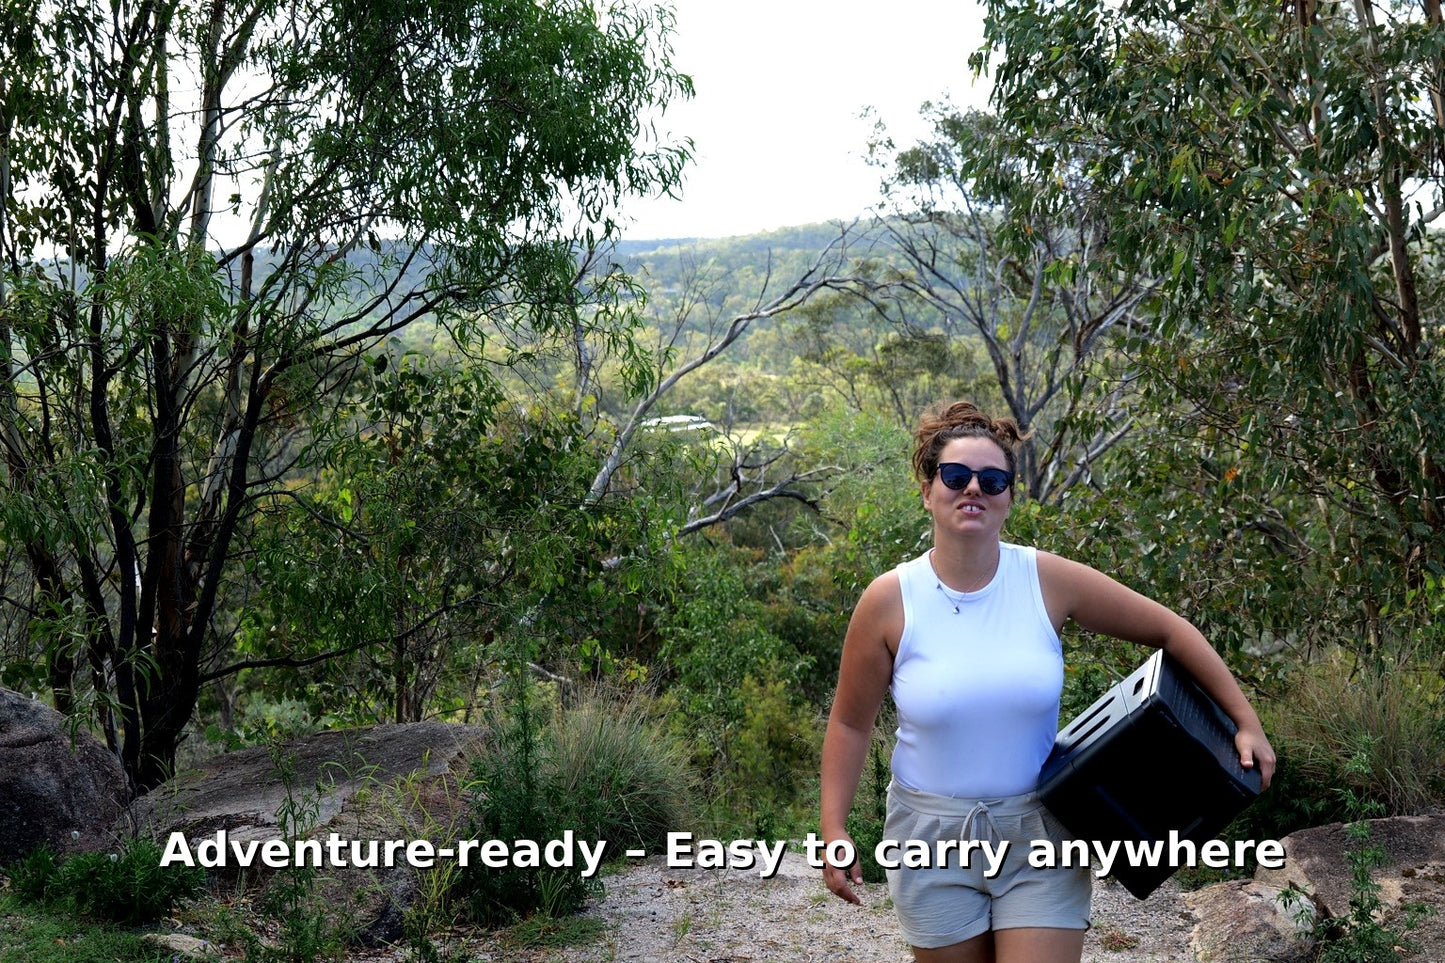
x=212, y=212
x=1280, y=168
x=1033, y=285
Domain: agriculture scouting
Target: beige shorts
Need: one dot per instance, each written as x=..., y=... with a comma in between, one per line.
x=958, y=898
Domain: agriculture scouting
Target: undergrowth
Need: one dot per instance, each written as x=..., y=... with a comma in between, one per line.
x=1364, y=934
x=127, y=886
x=602, y=770
x=31, y=933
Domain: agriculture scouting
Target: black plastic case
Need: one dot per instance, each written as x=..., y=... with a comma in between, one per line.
x=1153, y=754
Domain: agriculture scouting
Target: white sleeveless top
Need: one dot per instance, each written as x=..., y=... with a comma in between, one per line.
x=976, y=680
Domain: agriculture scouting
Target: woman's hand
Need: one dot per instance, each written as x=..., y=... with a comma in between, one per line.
x=1255, y=752
x=837, y=878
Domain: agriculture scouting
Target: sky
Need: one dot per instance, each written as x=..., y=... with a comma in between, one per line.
x=780, y=87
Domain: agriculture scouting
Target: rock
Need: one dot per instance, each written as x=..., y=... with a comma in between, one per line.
x=1246, y=921
x=1315, y=859
x=56, y=787
x=182, y=946
x=390, y=782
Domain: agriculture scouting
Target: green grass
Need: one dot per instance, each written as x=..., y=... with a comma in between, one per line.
x=542, y=930
x=1372, y=728
x=31, y=935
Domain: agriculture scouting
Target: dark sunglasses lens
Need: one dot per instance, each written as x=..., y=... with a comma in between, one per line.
x=954, y=476
x=993, y=480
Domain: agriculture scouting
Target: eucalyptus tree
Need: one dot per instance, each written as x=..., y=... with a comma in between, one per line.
x=1279, y=168
x=212, y=215
x=444, y=545
x=1026, y=284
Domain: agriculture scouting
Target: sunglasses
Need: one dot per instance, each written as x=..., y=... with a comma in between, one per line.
x=992, y=481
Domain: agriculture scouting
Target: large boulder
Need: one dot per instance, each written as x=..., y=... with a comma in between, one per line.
x=57, y=786
x=389, y=782
x=1411, y=875
x=1246, y=921
x=1315, y=859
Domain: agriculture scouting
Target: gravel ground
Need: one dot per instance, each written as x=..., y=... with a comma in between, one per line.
x=714, y=916
x=654, y=914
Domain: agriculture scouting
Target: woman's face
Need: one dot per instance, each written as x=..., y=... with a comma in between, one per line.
x=968, y=511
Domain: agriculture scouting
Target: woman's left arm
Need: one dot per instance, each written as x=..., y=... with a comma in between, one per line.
x=1099, y=604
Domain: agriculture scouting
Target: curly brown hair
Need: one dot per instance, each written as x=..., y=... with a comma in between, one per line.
x=962, y=419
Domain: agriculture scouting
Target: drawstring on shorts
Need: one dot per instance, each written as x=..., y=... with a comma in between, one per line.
x=979, y=813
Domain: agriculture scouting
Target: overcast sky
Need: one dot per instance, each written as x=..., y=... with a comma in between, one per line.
x=780, y=88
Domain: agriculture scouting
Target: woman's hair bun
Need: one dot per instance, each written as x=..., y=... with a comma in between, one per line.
x=962, y=419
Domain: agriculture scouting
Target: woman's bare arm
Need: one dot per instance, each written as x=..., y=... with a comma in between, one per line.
x=863, y=677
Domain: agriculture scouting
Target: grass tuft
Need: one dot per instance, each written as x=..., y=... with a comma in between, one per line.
x=1373, y=728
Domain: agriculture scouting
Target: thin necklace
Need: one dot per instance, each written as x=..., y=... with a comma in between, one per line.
x=957, y=598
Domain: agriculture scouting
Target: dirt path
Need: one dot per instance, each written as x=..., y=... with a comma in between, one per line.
x=658, y=915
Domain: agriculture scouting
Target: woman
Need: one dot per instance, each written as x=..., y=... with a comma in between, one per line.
x=966, y=637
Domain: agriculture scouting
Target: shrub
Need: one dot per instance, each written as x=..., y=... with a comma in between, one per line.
x=128, y=886
x=735, y=693
x=775, y=756
x=630, y=784
x=31, y=875
x=1363, y=935
x=514, y=798
x=306, y=925
x=601, y=770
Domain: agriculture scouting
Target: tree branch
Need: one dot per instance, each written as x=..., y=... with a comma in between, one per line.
x=796, y=294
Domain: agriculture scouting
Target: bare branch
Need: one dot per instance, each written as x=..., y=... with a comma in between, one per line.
x=797, y=293
x=783, y=489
